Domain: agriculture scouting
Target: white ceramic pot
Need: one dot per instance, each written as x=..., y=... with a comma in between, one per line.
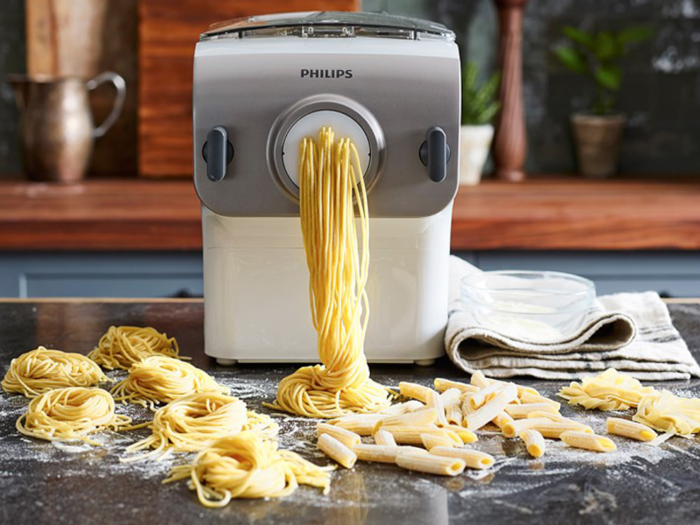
x=474, y=144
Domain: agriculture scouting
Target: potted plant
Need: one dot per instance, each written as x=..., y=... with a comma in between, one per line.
x=597, y=56
x=479, y=106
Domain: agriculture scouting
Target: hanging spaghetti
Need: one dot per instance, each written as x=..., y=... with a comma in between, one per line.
x=41, y=370
x=192, y=422
x=247, y=466
x=70, y=413
x=122, y=346
x=160, y=379
x=329, y=177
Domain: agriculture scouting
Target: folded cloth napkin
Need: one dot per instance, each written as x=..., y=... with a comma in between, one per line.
x=631, y=332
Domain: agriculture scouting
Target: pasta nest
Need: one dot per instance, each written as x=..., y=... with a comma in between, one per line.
x=122, y=346
x=610, y=390
x=70, y=413
x=163, y=379
x=192, y=422
x=667, y=412
x=42, y=369
x=247, y=466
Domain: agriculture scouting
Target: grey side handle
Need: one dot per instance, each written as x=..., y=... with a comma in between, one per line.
x=120, y=85
x=217, y=152
x=434, y=153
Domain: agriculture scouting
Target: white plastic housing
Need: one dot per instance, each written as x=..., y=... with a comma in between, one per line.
x=256, y=285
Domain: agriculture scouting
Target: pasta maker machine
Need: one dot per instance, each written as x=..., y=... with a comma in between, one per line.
x=261, y=84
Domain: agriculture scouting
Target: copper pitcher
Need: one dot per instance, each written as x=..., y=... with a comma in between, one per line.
x=57, y=129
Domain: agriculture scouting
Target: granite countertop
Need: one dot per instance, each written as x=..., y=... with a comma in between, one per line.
x=43, y=482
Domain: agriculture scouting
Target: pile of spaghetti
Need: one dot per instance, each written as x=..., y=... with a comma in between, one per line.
x=330, y=178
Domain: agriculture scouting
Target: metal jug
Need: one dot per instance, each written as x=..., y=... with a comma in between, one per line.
x=57, y=128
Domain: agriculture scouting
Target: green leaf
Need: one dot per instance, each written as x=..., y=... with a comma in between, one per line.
x=609, y=77
x=572, y=58
x=579, y=36
x=633, y=35
x=486, y=116
x=606, y=46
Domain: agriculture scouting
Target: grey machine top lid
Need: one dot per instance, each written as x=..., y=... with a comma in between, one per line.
x=328, y=24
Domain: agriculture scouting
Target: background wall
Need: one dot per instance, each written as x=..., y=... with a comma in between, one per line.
x=661, y=87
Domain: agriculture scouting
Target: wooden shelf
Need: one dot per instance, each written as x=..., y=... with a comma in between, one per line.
x=539, y=214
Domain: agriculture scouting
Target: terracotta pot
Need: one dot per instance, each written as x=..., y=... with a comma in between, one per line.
x=474, y=146
x=598, y=140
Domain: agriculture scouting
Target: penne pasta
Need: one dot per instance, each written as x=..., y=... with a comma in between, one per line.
x=441, y=385
x=554, y=429
x=383, y=453
x=481, y=381
x=588, y=441
x=382, y=437
x=534, y=442
x=530, y=398
x=477, y=399
x=552, y=416
x=435, y=440
x=415, y=391
x=453, y=414
x=492, y=408
x=412, y=435
x=403, y=408
x=336, y=450
x=362, y=424
x=514, y=428
x=345, y=436
x=501, y=419
x=630, y=429
x=474, y=459
x=521, y=411
x=435, y=401
x=451, y=396
x=420, y=418
x=467, y=436
x=430, y=464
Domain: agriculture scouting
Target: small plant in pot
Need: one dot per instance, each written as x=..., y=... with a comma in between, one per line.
x=479, y=107
x=597, y=56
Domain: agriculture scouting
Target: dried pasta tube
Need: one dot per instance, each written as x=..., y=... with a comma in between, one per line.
x=552, y=416
x=588, y=441
x=450, y=396
x=412, y=435
x=502, y=419
x=384, y=437
x=376, y=453
x=474, y=459
x=430, y=464
x=534, y=442
x=514, y=428
x=433, y=440
x=466, y=435
x=336, y=450
x=492, y=408
x=480, y=380
x=441, y=385
x=453, y=414
x=554, y=429
x=435, y=401
x=419, y=418
x=414, y=391
x=630, y=429
x=529, y=398
x=477, y=399
x=521, y=411
x=346, y=437
x=362, y=424
x=403, y=408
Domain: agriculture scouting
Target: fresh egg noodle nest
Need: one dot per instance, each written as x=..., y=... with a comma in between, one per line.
x=192, y=422
x=160, y=379
x=247, y=465
x=40, y=370
x=122, y=346
x=70, y=413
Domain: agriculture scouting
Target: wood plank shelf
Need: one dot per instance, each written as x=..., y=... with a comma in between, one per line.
x=539, y=214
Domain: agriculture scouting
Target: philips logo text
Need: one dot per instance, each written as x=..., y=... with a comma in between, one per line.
x=326, y=73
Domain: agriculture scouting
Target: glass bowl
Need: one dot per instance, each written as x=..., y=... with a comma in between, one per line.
x=536, y=307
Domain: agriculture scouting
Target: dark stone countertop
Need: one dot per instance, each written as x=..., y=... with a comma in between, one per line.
x=41, y=482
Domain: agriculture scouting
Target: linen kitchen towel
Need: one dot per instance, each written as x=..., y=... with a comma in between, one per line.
x=631, y=332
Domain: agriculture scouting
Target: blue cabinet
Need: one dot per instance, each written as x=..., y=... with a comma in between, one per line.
x=179, y=274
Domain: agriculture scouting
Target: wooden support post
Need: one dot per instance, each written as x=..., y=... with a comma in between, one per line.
x=510, y=141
